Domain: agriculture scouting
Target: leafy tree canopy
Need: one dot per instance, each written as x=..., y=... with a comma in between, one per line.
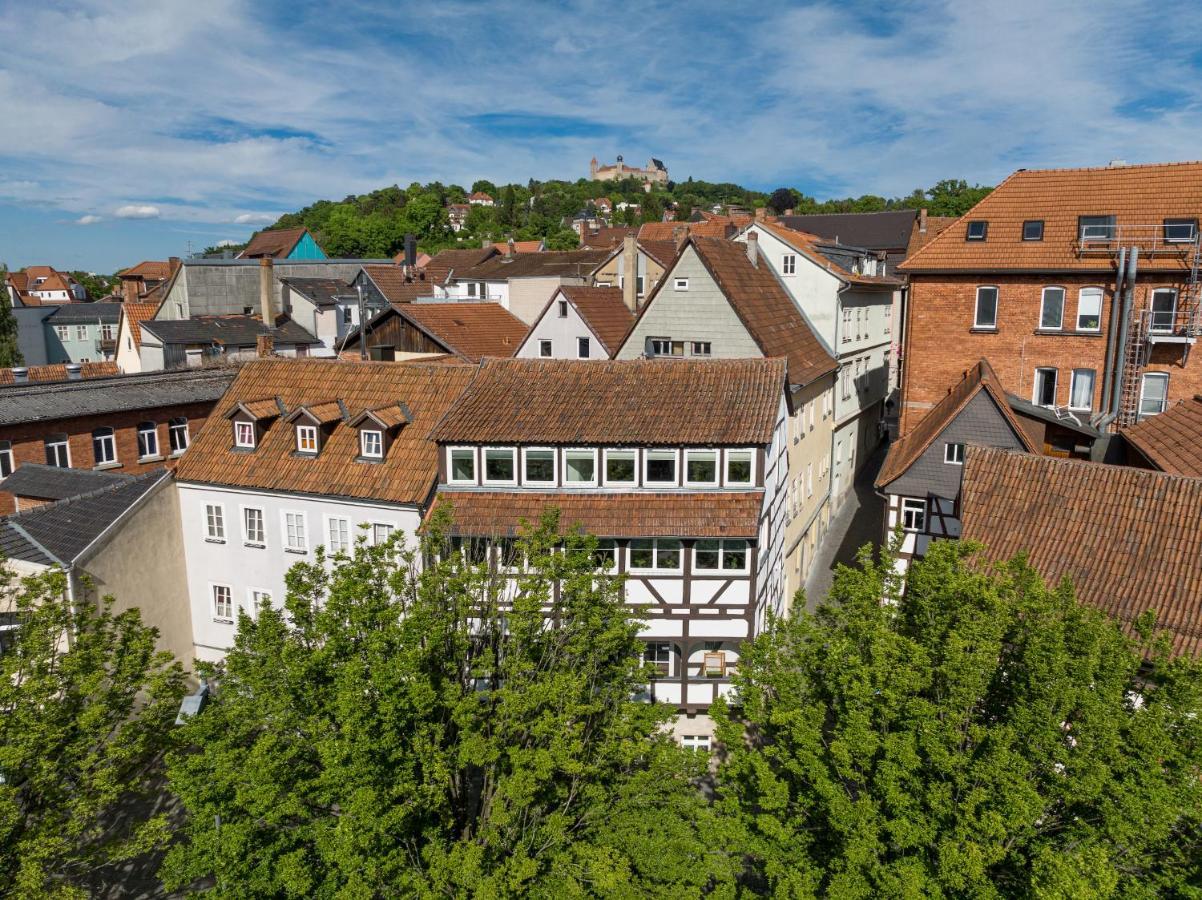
x=10, y=347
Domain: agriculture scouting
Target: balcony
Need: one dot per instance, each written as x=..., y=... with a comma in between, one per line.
x=1163, y=239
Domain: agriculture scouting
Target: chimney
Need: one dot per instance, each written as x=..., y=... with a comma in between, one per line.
x=74, y=371
x=173, y=265
x=509, y=251
x=129, y=290
x=753, y=248
x=266, y=306
x=410, y=251
x=20, y=375
x=922, y=221
x=630, y=270
x=761, y=213
x=264, y=346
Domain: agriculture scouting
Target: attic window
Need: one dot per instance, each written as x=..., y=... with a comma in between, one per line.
x=1180, y=231
x=1033, y=230
x=306, y=438
x=1096, y=228
x=371, y=444
x=977, y=230
x=680, y=284
x=563, y=309
x=244, y=435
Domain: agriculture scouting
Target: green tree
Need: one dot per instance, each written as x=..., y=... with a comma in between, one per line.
x=952, y=197
x=985, y=736
x=782, y=199
x=563, y=239
x=97, y=286
x=398, y=733
x=86, y=704
x=10, y=347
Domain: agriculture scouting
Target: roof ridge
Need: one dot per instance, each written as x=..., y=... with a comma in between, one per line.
x=1066, y=462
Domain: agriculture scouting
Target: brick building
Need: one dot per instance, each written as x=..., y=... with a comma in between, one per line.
x=1079, y=285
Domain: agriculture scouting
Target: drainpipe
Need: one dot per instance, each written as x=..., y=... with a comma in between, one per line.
x=1115, y=302
x=1120, y=350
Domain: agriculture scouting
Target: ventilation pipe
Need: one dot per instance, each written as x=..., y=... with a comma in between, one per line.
x=1120, y=352
x=266, y=307
x=1115, y=311
x=74, y=371
x=20, y=375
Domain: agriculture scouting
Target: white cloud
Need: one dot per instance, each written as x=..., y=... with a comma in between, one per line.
x=137, y=211
x=254, y=218
x=88, y=220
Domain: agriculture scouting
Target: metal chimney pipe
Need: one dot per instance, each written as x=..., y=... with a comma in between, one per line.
x=266, y=306
x=20, y=375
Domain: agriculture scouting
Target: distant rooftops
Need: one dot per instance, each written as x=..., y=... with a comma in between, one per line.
x=235, y=330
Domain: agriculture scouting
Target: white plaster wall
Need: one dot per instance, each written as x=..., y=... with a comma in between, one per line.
x=527, y=296
x=562, y=333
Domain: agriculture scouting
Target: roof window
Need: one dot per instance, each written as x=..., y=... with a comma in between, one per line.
x=1033, y=230
x=977, y=230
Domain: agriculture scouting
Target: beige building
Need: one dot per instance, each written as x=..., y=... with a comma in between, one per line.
x=655, y=172
x=811, y=431
x=648, y=258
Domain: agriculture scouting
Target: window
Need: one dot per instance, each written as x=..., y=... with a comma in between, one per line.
x=244, y=434
x=306, y=438
x=665, y=347
x=471, y=289
x=463, y=465
x=859, y=326
x=1089, y=309
x=499, y=466
x=726, y=556
x=104, y=446
x=914, y=514
x=976, y=231
x=1180, y=231
x=580, y=467
x=6, y=459
x=256, y=598
x=81, y=332
x=223, y=604
x=544, y=349
x=1095, y=228
x=1164, y=310
x=847, y=324
x=338, y=535
x=845, y=381
x=1045, y=387
x=659, y=467
x=702, y=348
x=986, y=316
x=563, y=309
x=739, y=467
x=701, y=467
x=1154, y=394
x=662, y=554
x=58, y=453
x=680, y=284
x=606, y=554
x=698, y=742
x=1080, y=395
x=809, y=479
x=582, y=348
x=107, y=331
x=538, y=466
x=62, y=332
x=215, y=522
x=253, y=534
x=788, y=264
x=148, y=440
x=1051, y=312
x=953, y=454
x=381, y=532
x=295, y=539
x=177, y=434
x=1033, y=230
x=659, y=658
x=347, y=316
x=371, y=443
x=620, y=467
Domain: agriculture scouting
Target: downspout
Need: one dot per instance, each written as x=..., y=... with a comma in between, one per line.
x=1116, y=300
x=1120, y=350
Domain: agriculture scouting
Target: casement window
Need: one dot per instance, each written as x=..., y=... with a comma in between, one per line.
x=474, y=551
x=81, y=332
x=1089, y=309
x=107, y=331
x=788, y=264
x=702, y=348
x=544, y=349
x=582, y=348
x=104, y=446
x=1180, y=231
x=338, y=534
x=296, y=538
x=6, y=459
x=1033, y=230
x=381, y=532
x=701, y=468
x=177, y=435
x=986, y=312
x=1051, y=310
x=244, y=435
x=810, y=408
x=1080, y=395
x=538, y=465
x=58, y=451
x=563, y=309
x=606, y=554
x=977, y=230
x=664, y=347
x=1153, y=394
x=62, y=332
x=680, y=284
x=658, y=554
x=306, y=438
x=348, y=317
x=1044, y=393
x=740, y=468
x=659, y=656
x=715, y=555
x=1164, y=310
x=215, y=522
x=499, y=465
x=621, y=468
x=471, y=289
x=845, y=381
x=462, y=465
x=371, y=444
x=698, y=742
x=659, y=468
x=580, y=468
x=148, y=440
x=253, y=533
x=847, y=325
x=953, y=454
x=809, y=480
x=859, y=325
x=914, y=514
x=1095, y=228
x=223, y=604
x=256, y=598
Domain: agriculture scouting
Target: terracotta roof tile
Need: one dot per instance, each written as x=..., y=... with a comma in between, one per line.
x=606, y=237
x=471, y=330
x=135, y=314
x=520, y=246
x=277, y=243
x=646, y=401
x=549, y=264
x=936, y=225
x=603, y=311
x=678, y=231
x=663, y=252
x=1130, y=539
x=443, y=262
x=58, y=372
x=396, y=286
x=811, y=246
x=1172, y=441
x=149, y=269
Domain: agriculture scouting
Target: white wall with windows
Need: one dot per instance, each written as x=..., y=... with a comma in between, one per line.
x=557, y=334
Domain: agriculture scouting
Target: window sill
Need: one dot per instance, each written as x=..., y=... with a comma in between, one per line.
x=103, y=467
x=223, y=621
x=369, y=459
x=210, y=540
x=296, y=551
x=1068, y=332
x=158, y=457
x=982, y=329
x=177, y=454
x=254, y=545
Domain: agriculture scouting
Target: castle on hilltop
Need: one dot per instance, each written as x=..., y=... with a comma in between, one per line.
x=655, y=173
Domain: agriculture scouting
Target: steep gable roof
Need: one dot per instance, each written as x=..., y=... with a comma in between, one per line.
x=602, y=310
x=443, y=262
x=276, y=243
x=133, y=314
x=396, y=285
x=827, y=255
x=1172, y=441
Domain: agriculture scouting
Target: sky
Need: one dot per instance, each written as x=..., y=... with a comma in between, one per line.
x=141, y=130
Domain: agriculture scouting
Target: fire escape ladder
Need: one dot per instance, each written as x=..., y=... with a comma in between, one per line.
x=1134, y=360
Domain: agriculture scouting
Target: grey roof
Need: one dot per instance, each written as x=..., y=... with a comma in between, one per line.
x=56, y=483
x=277, y=263
x=60, y=532
x=239, y=331
x=889, y=230
x=85, y=313
x=1027, y=408
x=551, y=263
x=40, y=402
x=321, y=291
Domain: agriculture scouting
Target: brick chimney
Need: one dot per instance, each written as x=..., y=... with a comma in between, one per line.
x=129, y=290
x=264, y=346
x=753, y=248
x=630, y=270
x=761, y=213
x=173, y=265
x=922, y=221
x=266, y=306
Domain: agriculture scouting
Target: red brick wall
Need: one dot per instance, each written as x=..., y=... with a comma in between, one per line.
x=941, y=343
x=28, y=447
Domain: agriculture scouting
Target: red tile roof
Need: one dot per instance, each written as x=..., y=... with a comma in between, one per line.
x=602, y=310
x=134, y=314
x=606, y=237
x=1129, y=539
x=935, y=226
x=678, y=231
x=519, y=246
x=1172, y=441
x=154, y=270
x=58, y=372
x=277, y=243
x=470, y=330
x=396, y=286
x=443, y=262
x=809, y=245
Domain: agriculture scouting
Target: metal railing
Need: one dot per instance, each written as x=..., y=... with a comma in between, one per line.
x=1161, y=239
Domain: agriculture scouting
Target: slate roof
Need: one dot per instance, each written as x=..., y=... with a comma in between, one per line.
x=730, y=402
x=443, y=262
x=906, y=450
x=396, y=286
x=276, y=243
x=1130, y=539
x=234, y=331
x=886, y=230
x=549, y=264
x=85, y=313
x=20, y=403
x=60, y=532
x=409, y=470
x=56, y=483
x=1172, y=441
x=602, y=309
x=728, y=514
x=1141, y=195
x=321, y=291
x=58, y=372
x=469, y=330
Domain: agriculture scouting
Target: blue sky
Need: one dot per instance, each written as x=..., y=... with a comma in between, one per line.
x=134, y=130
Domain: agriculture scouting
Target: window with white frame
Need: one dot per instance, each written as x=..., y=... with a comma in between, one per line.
x=295, y=536
x=953, y=453
x=1089, y=309
x=338, y=534
x=462, y=467
x=583, y=349
x=1164, y=310
x=1180, y=231
x=859, y=326
x=702, y=348
x=306, y=438
x=716, y=555
x=1080, y=395
x=1153, y=394
x=104, y=446
x=659, y=467
x=177, y=434
x=148, y=440
x=580, y=467
x=665, y=347
x=655, y=554
x=659, y=656
x=256, y=598
x=563, y=309
x=348, y=316
x=847, y=325
x=740, y=468
x=62, y=332
x=1044, y=392
x=1051, y=309
x=544, y=349
x=381, y=532
x=986, y=310
x=701, y=468
x=244, y=434
x=809, y=480
x=499, y=465
x=606, y=554
x=58, y=451
x=788, y=264
x=223, y=604
x=81, y=332
x=914, y=514
x=214, y=522
x=6, y=459
x=680, y=284
x=699, y=742
x=253, y=533
x=108, y=331
x=621, y=468
x=538, y=465
x=371, y=443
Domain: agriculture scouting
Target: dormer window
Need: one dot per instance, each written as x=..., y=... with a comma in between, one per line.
x=371, y=444
x=306, y=438
x=244, y=435
x=977, y=230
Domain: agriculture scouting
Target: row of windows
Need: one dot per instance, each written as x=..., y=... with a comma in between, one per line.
x=108, y=332
x=223, y=602
x=642, y=555
x=294, y=529
x=584, y=348
x=663, y=657
x=104, y=445
x=1092, y=229
x=663, y=346
x=1153, y=396
x=308, y=439
x=862, y=323
x=1051, y=309
x=548, y=466
x=803, y=420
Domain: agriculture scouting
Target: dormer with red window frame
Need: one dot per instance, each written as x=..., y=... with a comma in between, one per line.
x=313, y=424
